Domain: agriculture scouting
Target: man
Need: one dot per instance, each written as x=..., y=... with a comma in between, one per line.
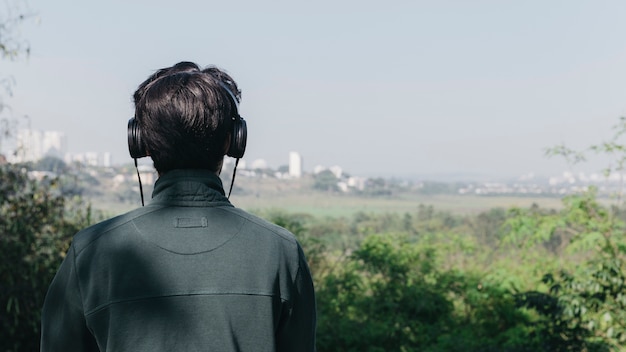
x=187, y=272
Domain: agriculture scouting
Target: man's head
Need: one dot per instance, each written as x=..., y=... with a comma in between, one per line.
x=185, y=116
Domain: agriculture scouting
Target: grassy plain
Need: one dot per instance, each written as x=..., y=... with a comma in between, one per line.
x=297, y=196
x=342, y=205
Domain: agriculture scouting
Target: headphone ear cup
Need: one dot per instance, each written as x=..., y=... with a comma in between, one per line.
x=238, y=138
x=136, y=146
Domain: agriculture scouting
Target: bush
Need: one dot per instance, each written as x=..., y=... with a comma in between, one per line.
x=36, y=225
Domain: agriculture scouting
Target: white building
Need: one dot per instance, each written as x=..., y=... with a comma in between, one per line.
x=229, y=163
x=32, y=145
x=319, y=168
x=259, y=164
x=295, y=164
x=357, y=182
x=54, y=144
x=89, y=158
x=107, y=159
x=336, y=170
x=147, y=173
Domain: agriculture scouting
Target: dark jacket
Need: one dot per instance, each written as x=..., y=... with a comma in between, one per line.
x=188, y=272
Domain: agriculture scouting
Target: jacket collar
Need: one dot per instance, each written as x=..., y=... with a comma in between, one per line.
x=189, y=187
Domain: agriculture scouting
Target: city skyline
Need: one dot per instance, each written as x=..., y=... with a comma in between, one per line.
x=33, y=145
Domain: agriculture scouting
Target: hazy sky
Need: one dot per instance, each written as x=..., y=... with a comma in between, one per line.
x=379, y=88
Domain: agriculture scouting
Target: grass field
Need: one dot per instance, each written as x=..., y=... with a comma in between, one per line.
x=258, y=195
x=325, y=205
x=297, y=197
x=319, y=204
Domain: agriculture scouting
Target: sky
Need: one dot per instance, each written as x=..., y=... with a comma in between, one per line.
x=395, y=88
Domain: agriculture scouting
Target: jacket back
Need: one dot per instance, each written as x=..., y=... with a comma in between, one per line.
x=187, y=272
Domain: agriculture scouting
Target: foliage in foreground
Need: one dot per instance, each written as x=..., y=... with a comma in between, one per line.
x=524, y=280
x=586, y=303
x=36, y=224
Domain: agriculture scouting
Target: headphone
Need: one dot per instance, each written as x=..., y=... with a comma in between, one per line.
x=238, y=138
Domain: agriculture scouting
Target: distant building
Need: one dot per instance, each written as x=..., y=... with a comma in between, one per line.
x=106, y=159
x=32, y=145
x=230, y=163
x=319, y=168
x=295, y=165
x=54, y=144
x=337, y=171
x=89, y=158
x=147, y=173
x=357, y=182
x=259, y=164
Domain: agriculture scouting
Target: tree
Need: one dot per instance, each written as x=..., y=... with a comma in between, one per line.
x=614, y=148
x=12, y=47
x=391, y=294
x=583, y=307
x=51, y=164
x=326, y=181
x=36, y=225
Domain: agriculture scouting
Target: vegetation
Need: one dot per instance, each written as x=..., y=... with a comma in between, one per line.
x=505, y=279
x=36, y=225
x=526, y=279
x=12, y=47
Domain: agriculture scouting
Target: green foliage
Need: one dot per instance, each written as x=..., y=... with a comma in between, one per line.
x=433, y=281
x=377, y=187
x=430, y=187
x=295, y=223
x=587, y=305
x=326, y=181
x=529, y=227
x=487, y=227
x=11, y=46
x=51, y=164
x=389, y=295
x=614, y=148
x=373, y=296
x=36, y=224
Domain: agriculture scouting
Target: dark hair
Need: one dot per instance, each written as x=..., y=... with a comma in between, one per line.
x=185, y=114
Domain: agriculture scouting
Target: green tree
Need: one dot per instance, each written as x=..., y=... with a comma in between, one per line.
x=12, y=47
x=583, y=307
x=377, y=187
x=381, y=299
x=326, y=181
x=52, y=164
x=391, y=294
x=487, y=226
x=36, y=225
